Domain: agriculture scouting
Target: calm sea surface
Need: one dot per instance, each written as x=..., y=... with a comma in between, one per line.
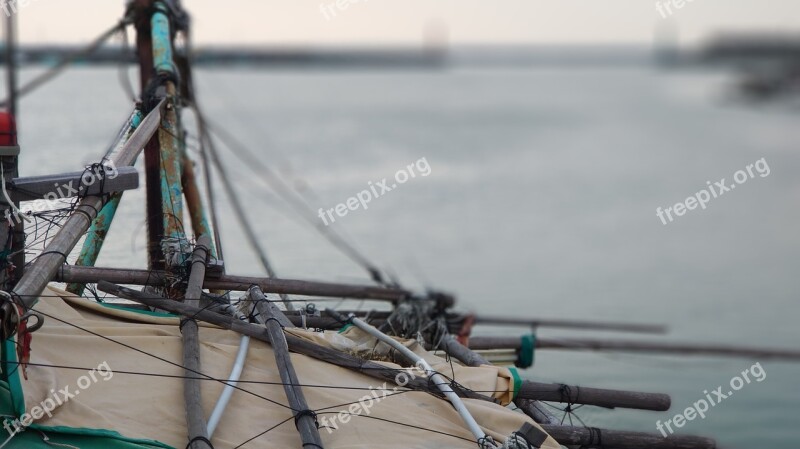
x=541, y=202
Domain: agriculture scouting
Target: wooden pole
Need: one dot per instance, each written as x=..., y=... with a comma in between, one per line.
x=305, y=420
x=11, y=159
x=265, y=309
x=91, y=275
x=618, y=439
x=572, y=394
x=637, y=346
x=462, y=353
x=572, y=324
x=152, y=155
x=194, y=202
x=296, y=344
x=192, y=396
x=11, y=61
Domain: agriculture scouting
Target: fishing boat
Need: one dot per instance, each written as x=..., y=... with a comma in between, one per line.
x=186, y=354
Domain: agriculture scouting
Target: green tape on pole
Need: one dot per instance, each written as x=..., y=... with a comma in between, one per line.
x=525, y=355
x=517, y=380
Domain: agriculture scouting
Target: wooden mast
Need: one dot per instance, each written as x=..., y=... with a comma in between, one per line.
x=152, y=155
x=10, y=159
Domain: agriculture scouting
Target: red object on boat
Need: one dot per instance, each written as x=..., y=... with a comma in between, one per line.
x=8, y=130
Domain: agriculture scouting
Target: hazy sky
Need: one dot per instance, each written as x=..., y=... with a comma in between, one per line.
x=376, y=22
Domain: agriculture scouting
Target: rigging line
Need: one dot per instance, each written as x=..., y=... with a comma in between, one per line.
x=365, y=416
x=298, y=202
x=264, y=432
x=393, y=393
x=204, y=154
x=406, y=425
x=124, y=75
x=254, y=382
x=207, y=180
x=64, y=63
x=159, y=358
x=241, y=215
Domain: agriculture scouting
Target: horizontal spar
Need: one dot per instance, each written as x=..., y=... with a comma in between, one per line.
x=93, y=275
x=572, y=324
x=594, y=396
x=620, y=439
x=455, y=321
x=91, y=181
x=569, y=394
x=482, y=343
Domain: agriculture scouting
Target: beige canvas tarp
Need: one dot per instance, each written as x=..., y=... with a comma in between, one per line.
x=148, y=406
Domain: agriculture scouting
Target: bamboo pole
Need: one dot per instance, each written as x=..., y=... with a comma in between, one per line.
x=265, y=309
x=11, y=63
x=152, y=155
x=44, y=268
x=305, y=420
x=11, y=161
x=192, y=396
x=481, y=343
x=618, y=439
x=462, y=353
x=572, y=394
x=194, y=202
x=454, y=323
x=67, y=273
x=296, y=344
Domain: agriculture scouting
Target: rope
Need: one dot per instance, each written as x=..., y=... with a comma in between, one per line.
x=200, y=439
x=595, y=438
x=64, y=63
x=272, y=318
x=518, y=441
x=303, y=413
x=5, y=193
